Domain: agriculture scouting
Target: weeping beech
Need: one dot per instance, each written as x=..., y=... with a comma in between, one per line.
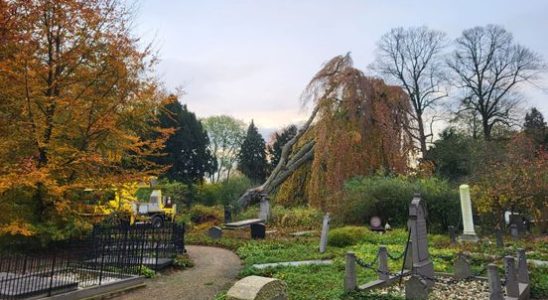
x=356, y=128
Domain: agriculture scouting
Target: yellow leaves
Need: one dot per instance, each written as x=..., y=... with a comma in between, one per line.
x=16, y=227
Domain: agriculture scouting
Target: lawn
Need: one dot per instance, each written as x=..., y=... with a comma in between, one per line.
x=326, y=281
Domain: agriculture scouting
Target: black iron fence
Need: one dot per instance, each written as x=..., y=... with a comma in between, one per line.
x=108, y=254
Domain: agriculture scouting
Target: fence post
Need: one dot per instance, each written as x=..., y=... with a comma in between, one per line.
x=383, y=263
x=51, y=274
x=512, y=286
x=495, y=289
x=350, y=280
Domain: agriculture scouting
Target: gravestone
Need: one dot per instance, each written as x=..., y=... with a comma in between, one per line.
x=416, y=289
x=264, y=210
x=325, y=231
x=350, y=275
x=514, y=231
x=452, y=235
x=468, y=233
x=215, y=232
x=495, y=288
x=512, y=285
x=498, y=237
x=422, y=264
x=228, y=214
x=462, y=267
x=258, y=288
x=258, y=231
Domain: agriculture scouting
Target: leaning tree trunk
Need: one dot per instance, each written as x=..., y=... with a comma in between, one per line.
x=285, y=167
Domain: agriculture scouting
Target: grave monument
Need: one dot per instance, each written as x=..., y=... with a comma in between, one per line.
x=422, y=265
x=468, y=234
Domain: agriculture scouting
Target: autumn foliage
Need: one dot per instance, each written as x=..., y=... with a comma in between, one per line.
x=77, y=98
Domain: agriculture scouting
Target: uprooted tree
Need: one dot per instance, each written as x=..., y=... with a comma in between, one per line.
x=356, y=127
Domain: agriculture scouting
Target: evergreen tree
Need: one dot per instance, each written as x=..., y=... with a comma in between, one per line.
x=278, y=141
x=186, y=150
x=252, y=157
x=535, y=127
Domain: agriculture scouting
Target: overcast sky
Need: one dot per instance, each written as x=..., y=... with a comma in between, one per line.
x=252, y=59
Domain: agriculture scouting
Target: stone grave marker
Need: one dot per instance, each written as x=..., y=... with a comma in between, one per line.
x=495, y=289
x=462, y=267
x=325, y=231
x=228, y=214
x=264, y=210
x=514, y=232
x=215, y=232
x=512, y=285
x=468, y=234
x=258, y=231
x=258, y=288
x=422, y=264
x=416, y=289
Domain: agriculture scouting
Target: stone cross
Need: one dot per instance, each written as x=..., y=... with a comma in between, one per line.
x=422, y=264
x=325, y=231
x=468, y=233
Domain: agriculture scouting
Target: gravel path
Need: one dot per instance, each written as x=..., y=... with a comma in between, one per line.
x=214, y=269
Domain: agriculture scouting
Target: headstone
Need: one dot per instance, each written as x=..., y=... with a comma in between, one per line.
x=422, y=264
x=462, y=267
x=258, y=288
x=215, y=232
x=512, y=286
x=387, y=227
x=383, y=264
x=495, y=288
x=416, y=288
x=325, y=231
x=498, y=237
x=468, y=234
x=514, y=232
x=523, y=271
x=350, y=277
x=228, y=214
x=376, y=224
x=452, y=235
x=264, y=210
x=258, y=231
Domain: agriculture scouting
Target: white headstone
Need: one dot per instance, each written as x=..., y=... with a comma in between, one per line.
x=325, y=231
x=264, y=212
x=468, y=233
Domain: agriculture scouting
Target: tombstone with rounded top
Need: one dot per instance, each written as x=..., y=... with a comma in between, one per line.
x=258, y=288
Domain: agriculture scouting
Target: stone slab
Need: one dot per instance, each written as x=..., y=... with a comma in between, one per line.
x=258, y=288
x=293, y=264
x=243, y=223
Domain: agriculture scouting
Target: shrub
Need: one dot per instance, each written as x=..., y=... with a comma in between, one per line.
x=183, y=262
x=346, y=236
x=147, y=272
x=225, y=192
x=389, y=198
x=302, y=217
x=201, y=214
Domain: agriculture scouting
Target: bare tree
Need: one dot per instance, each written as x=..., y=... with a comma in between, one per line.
x=412, y=58
x=489, y=66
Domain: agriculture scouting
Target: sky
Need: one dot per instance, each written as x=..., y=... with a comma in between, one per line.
x=251, y=59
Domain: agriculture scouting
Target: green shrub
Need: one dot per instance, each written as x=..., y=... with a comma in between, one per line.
x=183, y=262
x=147, y=272
x=201, y=214
x=389, y=198
x=287, y=217
x=346, y=236
x=226, y=192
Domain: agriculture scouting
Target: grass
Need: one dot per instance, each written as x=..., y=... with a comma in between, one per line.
x=326, y=281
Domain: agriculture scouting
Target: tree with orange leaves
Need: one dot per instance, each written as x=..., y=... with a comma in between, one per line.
x=77, y=96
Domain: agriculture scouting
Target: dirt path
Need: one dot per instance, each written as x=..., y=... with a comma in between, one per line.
x=214, y=270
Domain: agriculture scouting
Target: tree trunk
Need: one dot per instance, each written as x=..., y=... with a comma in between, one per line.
x=422, y=136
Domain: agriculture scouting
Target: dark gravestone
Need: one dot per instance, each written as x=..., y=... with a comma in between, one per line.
x=416, y=289
x=228, y=214
x=452, y=235
x=258, y=231
x=498, y=237
x=422, y=265
x=215, y=232
x=514, y=232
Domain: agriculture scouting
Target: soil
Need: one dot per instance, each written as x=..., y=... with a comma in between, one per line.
x=214, y=270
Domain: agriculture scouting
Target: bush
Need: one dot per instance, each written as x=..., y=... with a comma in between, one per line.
x=183, y=262
x=346, y=236
x=225, y=193
x=389, y=198
x=301, y=217
x=202, y=214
